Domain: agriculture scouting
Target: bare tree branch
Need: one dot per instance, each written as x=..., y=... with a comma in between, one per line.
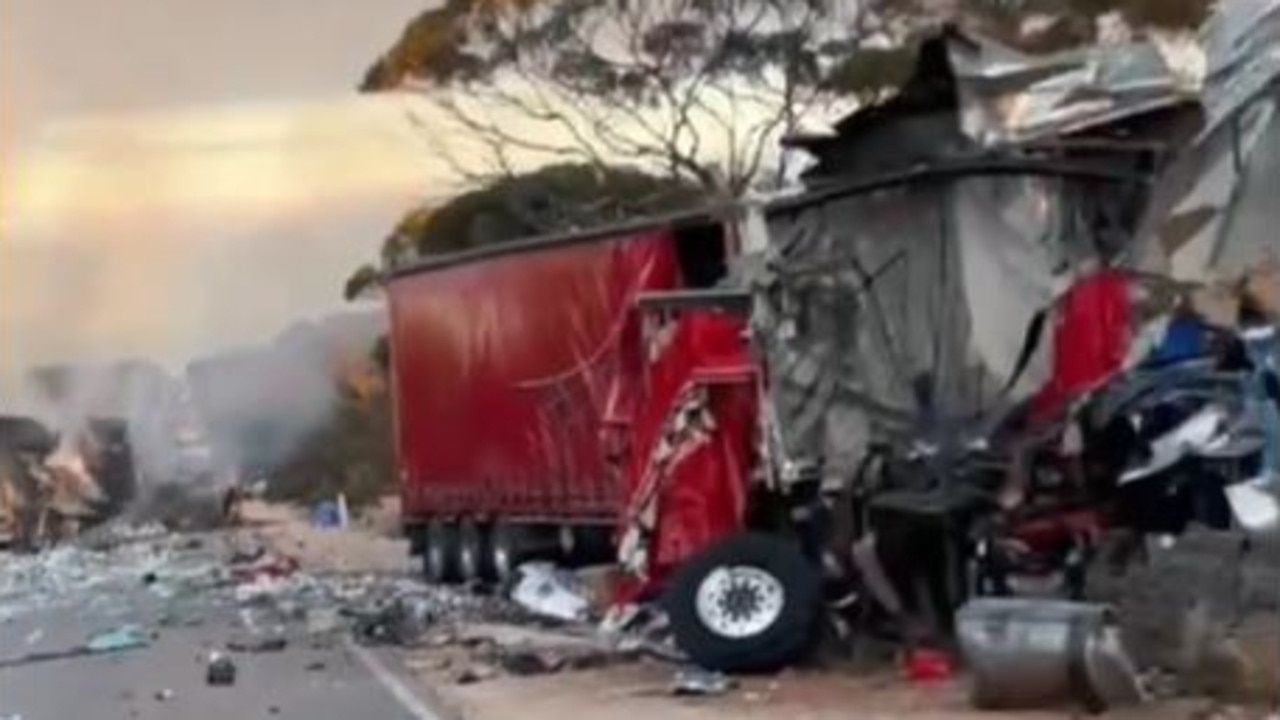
x=690, y=87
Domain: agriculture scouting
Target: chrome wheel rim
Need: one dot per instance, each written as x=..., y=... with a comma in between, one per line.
x=739, y=601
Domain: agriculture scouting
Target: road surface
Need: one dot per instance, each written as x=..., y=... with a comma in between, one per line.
x=314, y=678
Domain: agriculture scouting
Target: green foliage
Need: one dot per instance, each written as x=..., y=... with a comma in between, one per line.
x=615, y=46
x=623, y=46
x=698, y=90
x=365, y=278
x=553, y=199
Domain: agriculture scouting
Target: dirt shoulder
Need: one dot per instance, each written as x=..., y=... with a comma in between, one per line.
x=368, y=545
x=467, y=687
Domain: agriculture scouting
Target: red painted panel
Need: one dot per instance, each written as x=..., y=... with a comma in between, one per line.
x=695, y=444
x=503, y=369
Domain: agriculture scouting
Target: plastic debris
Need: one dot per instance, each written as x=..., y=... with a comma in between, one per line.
x=545, y=590
x=925, y=665
x=327, y=516
x=106, y=568
x=127, y=637
x=164, y=695
x=698, y=682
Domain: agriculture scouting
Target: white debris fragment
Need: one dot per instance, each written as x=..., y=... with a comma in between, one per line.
x=544, y=589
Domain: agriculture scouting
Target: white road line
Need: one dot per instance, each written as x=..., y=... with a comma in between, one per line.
x=393, y=684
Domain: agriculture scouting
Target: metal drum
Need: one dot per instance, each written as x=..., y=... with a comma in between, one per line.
x=1025, y=653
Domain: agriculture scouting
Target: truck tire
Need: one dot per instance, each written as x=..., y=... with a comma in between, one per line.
x=508, y=546
x=750, y=603
x=475, y=560
x=440, y=555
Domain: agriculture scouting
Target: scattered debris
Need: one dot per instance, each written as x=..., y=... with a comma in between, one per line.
x=164, y=695
x=323, y=620
x=526, y=663
x=220, y=671
x=475, y=674
x=259, y=645
x=548, y=591
x=641, y=629
x=404, y=621
x=127, y=637
x=697, y=682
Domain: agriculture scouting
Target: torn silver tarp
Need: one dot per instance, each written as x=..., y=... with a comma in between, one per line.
x=1010, y=98
x=901, y=311
x=1217, y=215
x=1209, y=216
x=872, y=301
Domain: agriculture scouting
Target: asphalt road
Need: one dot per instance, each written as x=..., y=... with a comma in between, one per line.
x=312, y=678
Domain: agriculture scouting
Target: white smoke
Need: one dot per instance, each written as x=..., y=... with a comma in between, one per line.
x=227, y=412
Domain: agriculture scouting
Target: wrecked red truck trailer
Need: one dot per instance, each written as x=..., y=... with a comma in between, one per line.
x=516, y=374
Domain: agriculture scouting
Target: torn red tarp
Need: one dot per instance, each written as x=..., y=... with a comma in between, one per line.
x=695, y=442
x=1092, y=333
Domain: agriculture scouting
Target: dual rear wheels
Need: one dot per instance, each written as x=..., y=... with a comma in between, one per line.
x=471, y=550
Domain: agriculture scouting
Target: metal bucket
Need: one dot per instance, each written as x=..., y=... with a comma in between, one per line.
x=1030, y=653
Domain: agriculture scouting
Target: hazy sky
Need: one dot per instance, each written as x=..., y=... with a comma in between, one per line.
x=182, y=176
x=185, y=175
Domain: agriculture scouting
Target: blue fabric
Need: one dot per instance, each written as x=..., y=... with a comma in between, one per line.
x=326, y=515
x=1185, y=339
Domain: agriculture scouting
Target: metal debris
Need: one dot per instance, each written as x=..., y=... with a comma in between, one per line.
x=697, y=682
x=404, y=621
x=1029, y=653
x=220, y=671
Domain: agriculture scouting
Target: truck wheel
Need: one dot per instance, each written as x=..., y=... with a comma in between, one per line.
x=749, y=603
x=508, y=544
x=440, y=556
x=475, y=560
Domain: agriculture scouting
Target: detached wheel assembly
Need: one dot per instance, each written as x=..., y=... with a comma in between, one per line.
x=750, y=603
x=440, y=555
